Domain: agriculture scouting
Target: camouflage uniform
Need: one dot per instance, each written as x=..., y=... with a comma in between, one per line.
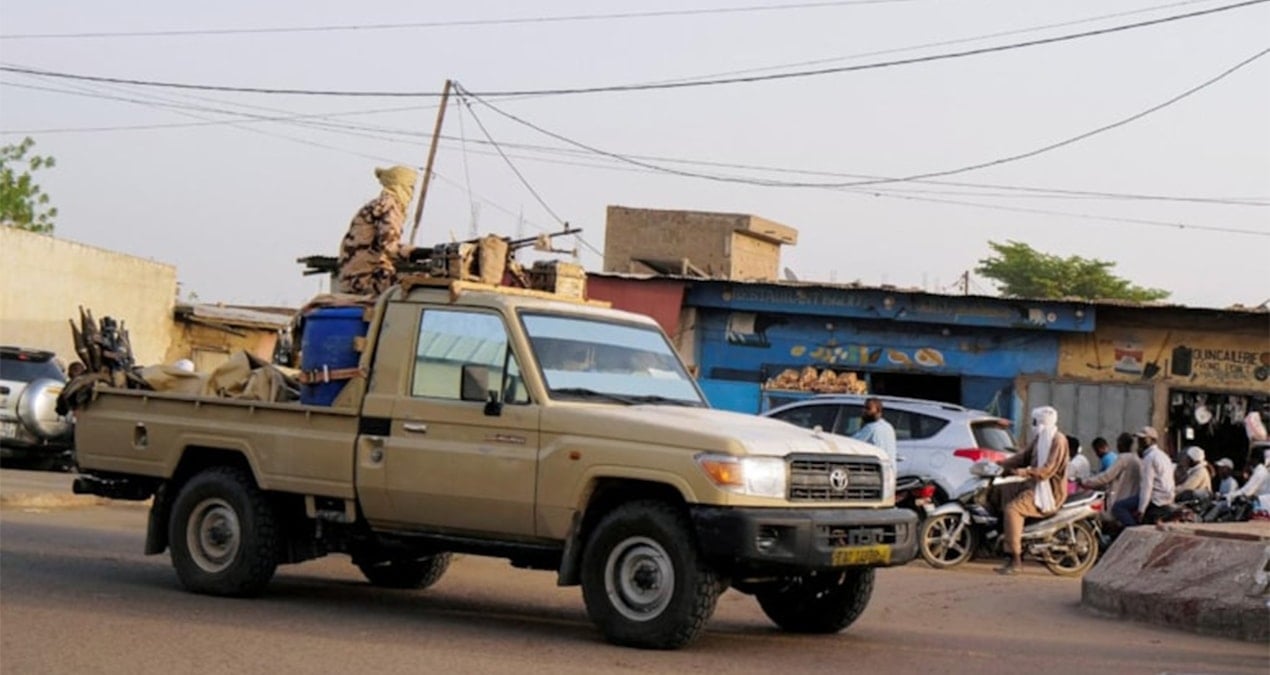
x=372, y=247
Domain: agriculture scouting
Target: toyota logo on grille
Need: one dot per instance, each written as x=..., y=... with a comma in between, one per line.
x=838, y=479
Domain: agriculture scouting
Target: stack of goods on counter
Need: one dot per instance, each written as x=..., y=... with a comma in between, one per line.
x=825, y=381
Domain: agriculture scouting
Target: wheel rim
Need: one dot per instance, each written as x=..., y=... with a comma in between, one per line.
x=943, y=541
x=213, y=535
x=1080, y=548
x=639, y=578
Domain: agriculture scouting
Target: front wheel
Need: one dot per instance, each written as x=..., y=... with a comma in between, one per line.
x=945, y=540
x=414, y=573
x=223, y=534
x=1073, y=550
x=819, y=602
x=643, y=581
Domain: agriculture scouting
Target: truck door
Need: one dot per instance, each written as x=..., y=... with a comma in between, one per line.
x=463, y=457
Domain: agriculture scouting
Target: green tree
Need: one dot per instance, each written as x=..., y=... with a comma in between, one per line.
x=1023, y=272
x=22, y=203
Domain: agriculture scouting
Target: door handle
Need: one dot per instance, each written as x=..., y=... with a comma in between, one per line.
x=415, y=427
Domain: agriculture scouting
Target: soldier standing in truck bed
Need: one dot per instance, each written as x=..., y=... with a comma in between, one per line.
x=371, y=249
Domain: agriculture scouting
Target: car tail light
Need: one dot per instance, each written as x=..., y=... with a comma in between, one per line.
x=924, y=492
x=979, y=454
x=1097, y=505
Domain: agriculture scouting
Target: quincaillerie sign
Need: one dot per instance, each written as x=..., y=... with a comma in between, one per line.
x=1220, y=364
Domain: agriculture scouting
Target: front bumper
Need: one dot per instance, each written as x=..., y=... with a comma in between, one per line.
x=758, y=540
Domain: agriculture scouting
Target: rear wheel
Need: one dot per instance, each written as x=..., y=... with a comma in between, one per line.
x=946, y=541
x=818, y=602
x=1074, y=550
x=414, y=573
x=223, y=534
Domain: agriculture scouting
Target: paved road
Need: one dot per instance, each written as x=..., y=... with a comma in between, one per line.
x=76, y=595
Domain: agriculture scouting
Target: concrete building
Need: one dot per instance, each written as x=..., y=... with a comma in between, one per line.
x=44, y=280
x=694, y=243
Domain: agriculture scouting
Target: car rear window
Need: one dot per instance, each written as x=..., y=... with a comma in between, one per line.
x=993, y=436
x=18, y=369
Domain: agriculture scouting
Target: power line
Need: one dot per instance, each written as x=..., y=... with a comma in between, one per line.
x=1083, y=216
x=762, y=182
x=646, y=86
x=523, y=181
x=939, y=43
x=397, y=135
x=458, y=23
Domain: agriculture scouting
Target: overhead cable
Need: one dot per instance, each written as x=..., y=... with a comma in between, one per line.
x=646, y=86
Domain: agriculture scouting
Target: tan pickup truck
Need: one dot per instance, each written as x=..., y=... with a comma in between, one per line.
x=560, y=435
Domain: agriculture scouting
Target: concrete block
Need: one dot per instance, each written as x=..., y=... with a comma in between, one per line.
x=1202, y=580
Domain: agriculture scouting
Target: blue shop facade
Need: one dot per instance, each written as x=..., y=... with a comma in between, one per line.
x=969, y=350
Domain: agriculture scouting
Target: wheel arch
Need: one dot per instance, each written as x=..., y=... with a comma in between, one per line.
x=603, y=494
x=194, y=459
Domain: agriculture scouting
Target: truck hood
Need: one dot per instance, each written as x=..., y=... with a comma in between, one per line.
x=700, y=429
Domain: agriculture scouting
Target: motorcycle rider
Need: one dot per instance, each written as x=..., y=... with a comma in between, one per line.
x=1123, y=477
x=1226, y=482
x=1258, y=484
x=1155, y=492
x=1044, y=465
x=1197, y=481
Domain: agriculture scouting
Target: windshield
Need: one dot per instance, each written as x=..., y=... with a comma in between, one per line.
x=603, y=361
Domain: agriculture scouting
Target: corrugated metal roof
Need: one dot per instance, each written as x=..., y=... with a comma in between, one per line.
x=1263, y=309
x=234, y=316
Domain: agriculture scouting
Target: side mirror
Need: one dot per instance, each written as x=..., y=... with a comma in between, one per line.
x=474, y=385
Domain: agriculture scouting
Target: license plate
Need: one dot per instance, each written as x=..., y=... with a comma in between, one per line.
x=844, y=556
x=8, y=429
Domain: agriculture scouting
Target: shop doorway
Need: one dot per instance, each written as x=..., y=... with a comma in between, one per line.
x=943, y=388
x=1214, y=422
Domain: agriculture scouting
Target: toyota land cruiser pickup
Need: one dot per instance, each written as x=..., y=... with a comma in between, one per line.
x=561, y=435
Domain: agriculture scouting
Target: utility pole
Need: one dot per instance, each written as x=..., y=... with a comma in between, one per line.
x=432, y=154
x=965, y=283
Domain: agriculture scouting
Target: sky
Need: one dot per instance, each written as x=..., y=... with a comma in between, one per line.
x=198, y=180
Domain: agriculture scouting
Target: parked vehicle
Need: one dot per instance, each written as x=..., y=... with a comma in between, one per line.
x=934, y=440
x=560, y=435
x=31, y=431
x=1066, y=542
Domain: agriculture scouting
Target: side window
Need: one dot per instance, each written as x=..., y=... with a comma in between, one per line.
x=449, y=340
x=809, y=416
x=849, y=421
x=911, y=426
x=925, y=426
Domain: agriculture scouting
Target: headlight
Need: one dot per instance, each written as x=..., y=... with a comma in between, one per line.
x=754, y=476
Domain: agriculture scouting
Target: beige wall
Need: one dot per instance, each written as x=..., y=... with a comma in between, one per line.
x=209, y=347
x=754, y=258
x=44, y=280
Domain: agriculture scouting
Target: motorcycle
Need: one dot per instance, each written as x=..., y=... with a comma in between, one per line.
x=1067, y=542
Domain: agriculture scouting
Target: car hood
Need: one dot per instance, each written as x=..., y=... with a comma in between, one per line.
x=699, y=429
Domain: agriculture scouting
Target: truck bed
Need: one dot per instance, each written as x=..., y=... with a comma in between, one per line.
x=292, y=448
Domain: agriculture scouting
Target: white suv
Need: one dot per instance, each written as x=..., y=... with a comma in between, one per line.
x=934, y=440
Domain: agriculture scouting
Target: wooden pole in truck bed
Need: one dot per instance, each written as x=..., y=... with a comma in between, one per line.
x=432, y=154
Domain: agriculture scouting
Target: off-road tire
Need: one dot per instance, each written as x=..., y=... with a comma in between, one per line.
x=650, y=542
x=819, y=602
x=215, y=501
x=942, y=555
x=407, y=574
x=1088, y=546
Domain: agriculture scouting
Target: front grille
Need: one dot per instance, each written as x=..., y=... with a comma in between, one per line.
x=813, y=479
x=833, y=536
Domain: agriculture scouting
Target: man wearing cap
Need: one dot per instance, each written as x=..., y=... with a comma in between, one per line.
x=1121, y=481
x=1226, y=482
x=1155, y=492
x=372, y=247
x=1197, y=478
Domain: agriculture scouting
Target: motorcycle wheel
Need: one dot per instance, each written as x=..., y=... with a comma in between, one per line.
x=1080, y=550
x=941, y=545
